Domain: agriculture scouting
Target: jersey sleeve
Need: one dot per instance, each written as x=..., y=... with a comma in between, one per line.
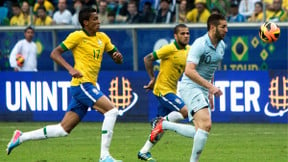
x=163, y=52
x=71, y=41
x=108, y=44
x=195, y=52
x=14, y=52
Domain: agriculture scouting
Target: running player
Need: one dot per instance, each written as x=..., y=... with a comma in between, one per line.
x=87, y=46
x=196, y=87
x=172, y=65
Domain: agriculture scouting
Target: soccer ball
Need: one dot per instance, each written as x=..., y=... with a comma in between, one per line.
x=269, y=32
x=20, y=60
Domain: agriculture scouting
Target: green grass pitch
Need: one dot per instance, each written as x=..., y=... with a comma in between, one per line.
x=226, y=143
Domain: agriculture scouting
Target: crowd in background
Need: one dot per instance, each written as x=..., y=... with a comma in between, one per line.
x=65, y=12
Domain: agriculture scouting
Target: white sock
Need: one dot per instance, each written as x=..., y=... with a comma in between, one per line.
x=174, y=116
x=200, y=139
x=183, y=129
x=42, y=133
x=107, y=131
x=146, y=148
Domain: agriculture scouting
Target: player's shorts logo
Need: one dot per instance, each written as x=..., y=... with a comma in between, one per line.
x=278, y=100
x=122, y=95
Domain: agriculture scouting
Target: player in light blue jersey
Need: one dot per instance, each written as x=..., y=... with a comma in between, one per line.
x=196, y=88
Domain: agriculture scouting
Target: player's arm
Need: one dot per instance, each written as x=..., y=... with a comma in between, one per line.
x=116, y=56
x=190, y=71
x=12, y=58
x=56, y=55
x=148, y=61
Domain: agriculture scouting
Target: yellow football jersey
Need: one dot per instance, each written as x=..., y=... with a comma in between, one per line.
x=39, y=22
x=88, y=53
x=17, y=20
x=172, y=65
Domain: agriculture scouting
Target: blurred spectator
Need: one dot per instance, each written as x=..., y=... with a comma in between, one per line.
x=257, y=15
x=182, y=11
x=246, y=7
x=62, y=16
x=42, y=18
x=153, y=4
x=222, y=5
x=111, y=17
x=103, y=12
x=111, y=5
x=23, y=56
x=77, y=7
x=215, y=10
x=234, y=15
x=17, y=18
x=133, y=15
x=30, y=2
x=164, y=15
x=285, y=5
x=198, y=14
x=148, y=14
x=46, y=4
x=268, y=4
x=26, y=13
x=277, y=14
x=121, y=11
x=4, y=20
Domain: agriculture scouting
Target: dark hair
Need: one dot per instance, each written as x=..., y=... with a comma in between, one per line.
x=214, y=20
x=85, y=13
x=41, y=8
x=16, y=5
x=176, y=28
x=29, y=28
x=260, y=4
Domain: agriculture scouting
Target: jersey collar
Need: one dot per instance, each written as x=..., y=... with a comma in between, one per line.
x=85, y=31
x=177, y=45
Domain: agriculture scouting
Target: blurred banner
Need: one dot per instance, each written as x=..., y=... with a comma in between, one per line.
x=245, y=51
x=248, y=96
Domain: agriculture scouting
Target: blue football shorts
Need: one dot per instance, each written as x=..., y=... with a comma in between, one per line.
x=83, y=97
x=168, y=103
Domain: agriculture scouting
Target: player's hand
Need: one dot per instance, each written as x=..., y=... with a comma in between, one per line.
x=215, y=91
x=117, y=57
x=75, y=73
x=150, y=85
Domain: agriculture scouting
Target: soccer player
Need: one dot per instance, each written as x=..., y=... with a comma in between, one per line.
x=172, y=65
x=196, y=87
x=87, y=46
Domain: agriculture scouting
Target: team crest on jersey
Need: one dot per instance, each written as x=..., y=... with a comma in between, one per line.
x=122, y=95
x=99, y=42
x=278, y=105
x=94, y=90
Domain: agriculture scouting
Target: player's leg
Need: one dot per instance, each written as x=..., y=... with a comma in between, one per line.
x=144, y=153
x=106, y=107
x=70, y=120
x=173, y=109
x=203, y=121
x=175, y=104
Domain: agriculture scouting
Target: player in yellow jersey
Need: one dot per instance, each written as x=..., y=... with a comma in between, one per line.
x=172, y=108
x=87, y=46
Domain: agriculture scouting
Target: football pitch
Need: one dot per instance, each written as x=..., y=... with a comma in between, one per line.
x=226, y=143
